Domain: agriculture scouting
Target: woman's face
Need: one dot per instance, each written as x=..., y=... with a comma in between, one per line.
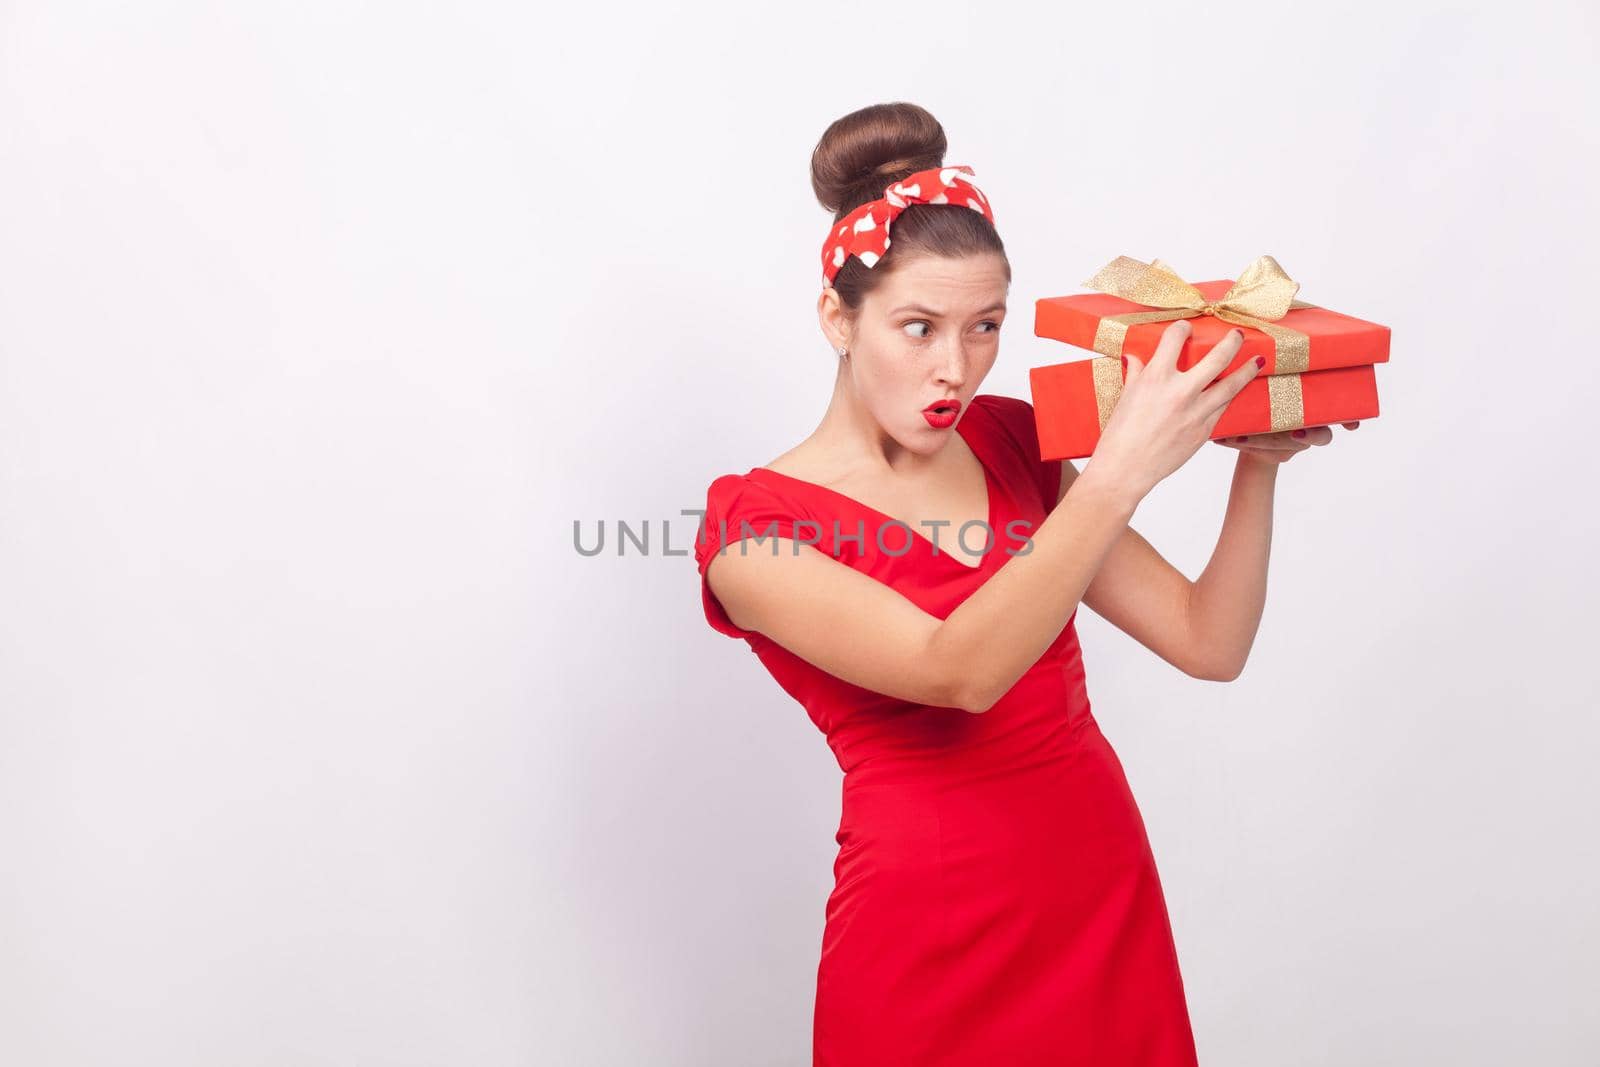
x=929, y=333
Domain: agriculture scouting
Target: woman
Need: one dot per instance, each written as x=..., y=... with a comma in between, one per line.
x=913, y=578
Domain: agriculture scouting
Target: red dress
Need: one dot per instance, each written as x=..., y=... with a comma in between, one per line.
x=995, y=899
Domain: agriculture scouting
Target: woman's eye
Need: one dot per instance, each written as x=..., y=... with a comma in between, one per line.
x=993, y=327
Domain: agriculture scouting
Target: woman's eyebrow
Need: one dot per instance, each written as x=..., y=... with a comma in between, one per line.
x=939, y=314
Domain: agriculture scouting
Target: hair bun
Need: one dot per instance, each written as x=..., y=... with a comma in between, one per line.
x=866, y=150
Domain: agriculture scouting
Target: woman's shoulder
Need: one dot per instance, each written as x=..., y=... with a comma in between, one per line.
x=1008, y=409
x=736, y=503
x=1012, y=424
x=731, y=488
x=727, y=492
x=724, y=485
x=1014, y=417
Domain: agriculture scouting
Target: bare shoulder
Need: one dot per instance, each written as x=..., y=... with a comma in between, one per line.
x=797, y=462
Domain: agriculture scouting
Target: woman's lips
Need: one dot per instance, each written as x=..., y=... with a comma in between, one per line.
x=941, y=414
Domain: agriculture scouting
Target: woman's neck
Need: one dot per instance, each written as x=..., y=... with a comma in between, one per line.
x=850, y=441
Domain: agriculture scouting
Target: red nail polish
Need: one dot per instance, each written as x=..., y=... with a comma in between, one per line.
x=1261, y=361
x=1124, y=362
x=1240, y=438
x=1298, y=433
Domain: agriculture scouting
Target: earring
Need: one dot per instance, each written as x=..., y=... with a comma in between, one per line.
x=842, y=351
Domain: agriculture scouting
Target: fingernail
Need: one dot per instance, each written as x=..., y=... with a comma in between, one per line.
x=1261, y=361
x=1298, y=433
x=1237, y=333
x=1241, y=437
x=1124, y=362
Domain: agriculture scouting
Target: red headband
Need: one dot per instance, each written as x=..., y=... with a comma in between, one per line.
x=864, y=233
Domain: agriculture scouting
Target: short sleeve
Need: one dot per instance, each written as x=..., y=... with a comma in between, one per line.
x=738, y=507
x=1016, y=419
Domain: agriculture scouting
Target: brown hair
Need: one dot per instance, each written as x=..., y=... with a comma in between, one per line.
x=868, y=149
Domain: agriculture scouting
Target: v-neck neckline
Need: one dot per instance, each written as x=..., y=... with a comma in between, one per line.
x=992, y=492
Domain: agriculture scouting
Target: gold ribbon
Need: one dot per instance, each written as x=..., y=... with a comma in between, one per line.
x=1262, y=294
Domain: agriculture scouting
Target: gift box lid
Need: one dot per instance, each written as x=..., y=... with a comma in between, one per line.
x=1306, y=337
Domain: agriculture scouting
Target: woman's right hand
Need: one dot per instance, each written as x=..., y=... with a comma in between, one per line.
x=1164, y=414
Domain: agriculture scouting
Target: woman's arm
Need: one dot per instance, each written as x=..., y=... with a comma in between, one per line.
x=1205, y=627
x=1227, y=600
x=859, y=629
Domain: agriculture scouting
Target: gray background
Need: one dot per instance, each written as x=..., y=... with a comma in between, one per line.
x=320, y=324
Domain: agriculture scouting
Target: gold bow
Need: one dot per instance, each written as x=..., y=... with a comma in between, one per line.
x=1263, y=293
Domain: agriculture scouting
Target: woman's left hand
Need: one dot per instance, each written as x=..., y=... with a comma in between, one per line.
x=1282, y=446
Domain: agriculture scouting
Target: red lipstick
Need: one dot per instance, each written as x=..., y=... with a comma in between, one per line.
x=941, y=414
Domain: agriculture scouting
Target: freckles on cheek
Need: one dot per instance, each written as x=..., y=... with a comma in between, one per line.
x=898, y=386
x=883, y=375
x=891, y=391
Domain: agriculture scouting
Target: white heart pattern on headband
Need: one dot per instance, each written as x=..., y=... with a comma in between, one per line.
x=864, y=232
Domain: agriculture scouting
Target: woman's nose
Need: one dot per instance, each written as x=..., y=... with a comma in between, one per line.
x=953, y=370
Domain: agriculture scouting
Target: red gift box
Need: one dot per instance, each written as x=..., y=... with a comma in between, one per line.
x=1068, y=400
x=1319, y=362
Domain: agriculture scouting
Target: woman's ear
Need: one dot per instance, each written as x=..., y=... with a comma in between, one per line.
x=830, y=314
